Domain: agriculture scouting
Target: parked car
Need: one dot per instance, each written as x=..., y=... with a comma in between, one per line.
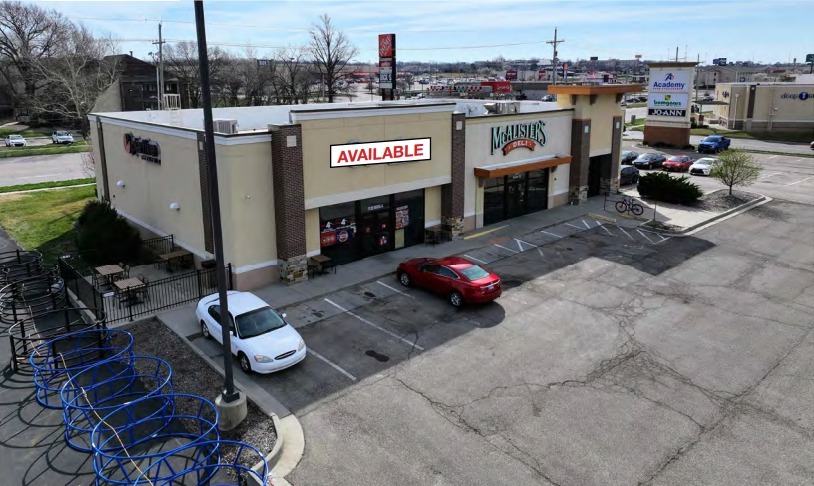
x=648, y=161
x=713, y=144
x=702, y=166
x=708, y=98
x=15, y=141
x=628, y=156
x=61, y=137
x=550, y=97
x=812, y=145
x=262, y=340
x=677, y=163
x=628, y=175
x=457, y=279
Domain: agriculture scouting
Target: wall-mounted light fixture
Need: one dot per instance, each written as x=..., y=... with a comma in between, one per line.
x=174, y=205
x=120, y=183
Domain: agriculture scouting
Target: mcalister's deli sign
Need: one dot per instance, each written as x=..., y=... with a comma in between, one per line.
x=390, y=152
x=526, y=135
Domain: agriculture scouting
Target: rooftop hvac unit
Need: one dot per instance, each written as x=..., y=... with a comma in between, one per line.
x=501, y=107
x=225, y=126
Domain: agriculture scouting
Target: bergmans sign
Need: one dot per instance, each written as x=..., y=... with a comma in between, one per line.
x=390, y=152
x=526, y=135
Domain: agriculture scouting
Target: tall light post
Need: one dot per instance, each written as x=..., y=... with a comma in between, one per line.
x=735, y=116
x=232, y=405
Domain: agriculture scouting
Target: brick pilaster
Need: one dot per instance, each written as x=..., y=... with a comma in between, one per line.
x=452, y=194
x=610, y=174
x=580, y=161
x=289, y=201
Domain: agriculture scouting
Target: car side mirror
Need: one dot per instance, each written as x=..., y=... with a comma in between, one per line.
x=284, y=315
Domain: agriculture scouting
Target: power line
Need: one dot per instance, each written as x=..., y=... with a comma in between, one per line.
x=242, y=26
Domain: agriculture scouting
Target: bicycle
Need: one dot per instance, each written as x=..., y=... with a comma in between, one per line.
x=626, y=205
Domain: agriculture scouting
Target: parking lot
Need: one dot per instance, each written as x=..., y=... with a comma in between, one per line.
x=614, y=356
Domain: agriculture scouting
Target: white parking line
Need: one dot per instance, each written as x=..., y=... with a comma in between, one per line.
x=604, y=228
x=394, y=289
x=586, y=224
x=410, y=343
x=574, y=226
x=520, y=244
x=801, y=180
x=549, y=233
x=625, y=232
x=645, y=237
x=773, y=156
x=473, y=258
x=769, y=175
x=507, y=249
x=541, y=251
x=331, y=364
x=663, y=239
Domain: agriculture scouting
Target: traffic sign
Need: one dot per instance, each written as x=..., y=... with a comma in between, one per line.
x=809, y=58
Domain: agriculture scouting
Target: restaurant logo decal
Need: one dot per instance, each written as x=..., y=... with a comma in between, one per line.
x=527, y=135
x=143, y=148
x=391, y=152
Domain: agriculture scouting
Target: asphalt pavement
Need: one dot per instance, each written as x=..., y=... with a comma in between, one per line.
x=41, y=168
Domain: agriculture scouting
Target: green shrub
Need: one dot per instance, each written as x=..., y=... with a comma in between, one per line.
x=662, y=187
x=105, y=237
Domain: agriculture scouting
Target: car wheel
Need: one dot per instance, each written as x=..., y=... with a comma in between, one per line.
x=635, y=180
x=455, y=298
x=244, y=363
x=649, y=166
x=404, y=278
x=205, y=330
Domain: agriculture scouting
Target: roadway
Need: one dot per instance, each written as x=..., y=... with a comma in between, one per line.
x=41, y=168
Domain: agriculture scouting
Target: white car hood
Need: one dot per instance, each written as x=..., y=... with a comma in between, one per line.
x=700, y=166
x=276, y=342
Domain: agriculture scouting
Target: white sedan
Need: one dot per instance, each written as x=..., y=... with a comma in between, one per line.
x=261, y=338
x=703, y=166
x=15, y=141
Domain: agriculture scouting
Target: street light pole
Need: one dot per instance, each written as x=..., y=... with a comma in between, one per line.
x=228, y=395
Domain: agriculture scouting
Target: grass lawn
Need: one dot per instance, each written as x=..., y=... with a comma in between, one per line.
x=638, y=123
x=46, y=185
x=76, y=147
x=44, y=220
x=28, y=132
x=636, y=105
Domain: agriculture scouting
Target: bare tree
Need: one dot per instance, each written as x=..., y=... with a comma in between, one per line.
x=182, y=60
x=331, y=51
x=735, y=168
x=295, y=75
x=82, y=69
x=28, y=34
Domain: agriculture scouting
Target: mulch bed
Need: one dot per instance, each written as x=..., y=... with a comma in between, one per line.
x=720, y=201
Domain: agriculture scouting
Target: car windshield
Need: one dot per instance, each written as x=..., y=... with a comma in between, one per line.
x=15, y=137
x=704, y=161
x=62, y=134
x=711, y=139
x=474, y=272
x=257, y=322
x=675, y=159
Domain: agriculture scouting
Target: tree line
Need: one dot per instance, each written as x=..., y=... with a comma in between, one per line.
x=54, y=70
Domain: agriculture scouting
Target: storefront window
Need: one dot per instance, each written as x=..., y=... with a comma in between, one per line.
x=409, y=213
x=493, y=204
x=337, y=231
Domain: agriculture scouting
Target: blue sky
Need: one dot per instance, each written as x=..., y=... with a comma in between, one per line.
x=448, y=30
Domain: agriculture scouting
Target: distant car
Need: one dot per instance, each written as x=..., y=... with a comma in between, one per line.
x=549, y=98
x=677, y=163
x=812, y=145
x=261, y=338
x=15, y=141
x=61, y=137
x=713, y=144
x=708, y=98
x=457, y=279
x=629, y=175
x=649, y=161
x=628, y=156
x=703, y=166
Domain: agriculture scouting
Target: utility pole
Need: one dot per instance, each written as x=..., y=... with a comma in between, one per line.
x=676, y=53
x=160, y=80
x=554, y=61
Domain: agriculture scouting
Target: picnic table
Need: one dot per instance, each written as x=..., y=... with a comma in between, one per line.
x=323, y=263
x=109, y=272
x=128, y=289
x=175, y=256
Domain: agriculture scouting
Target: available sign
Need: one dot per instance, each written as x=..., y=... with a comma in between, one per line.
x=668, y=100
x=669, y=81
x=527, y=135
x=666, y=112
x=391, y=152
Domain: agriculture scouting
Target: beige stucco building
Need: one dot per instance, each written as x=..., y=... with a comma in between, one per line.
x=766, y=107
x=352, y=180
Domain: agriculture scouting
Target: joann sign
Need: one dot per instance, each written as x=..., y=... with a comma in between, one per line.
x=526, y=135
x=144, y=148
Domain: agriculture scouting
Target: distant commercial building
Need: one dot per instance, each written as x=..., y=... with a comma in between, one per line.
x=766, y=107
x=136, y=88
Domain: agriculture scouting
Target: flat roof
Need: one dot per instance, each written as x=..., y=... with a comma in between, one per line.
x=595, y=89
x=254, y=119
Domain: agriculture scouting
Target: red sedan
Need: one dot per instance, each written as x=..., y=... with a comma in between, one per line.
x=677, y=163
x=457, y=279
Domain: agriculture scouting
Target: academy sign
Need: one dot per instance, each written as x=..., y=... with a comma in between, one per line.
x=669, y=81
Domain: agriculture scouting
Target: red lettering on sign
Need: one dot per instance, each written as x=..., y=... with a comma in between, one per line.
x=523, y=142
x=398, y=151
x=419, y=150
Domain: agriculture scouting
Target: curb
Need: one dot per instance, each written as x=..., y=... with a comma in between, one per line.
x=290, y=444
x=730, y=212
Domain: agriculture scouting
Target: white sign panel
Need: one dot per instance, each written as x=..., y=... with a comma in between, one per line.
x=668, y=100
x=385, y=80
x=665, y=80
x=390, y=152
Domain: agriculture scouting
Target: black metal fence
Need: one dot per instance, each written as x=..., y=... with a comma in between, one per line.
x=157, y=295
x=161, y=244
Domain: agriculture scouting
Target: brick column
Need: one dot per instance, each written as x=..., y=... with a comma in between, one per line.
x=580, y=161
x=609, y=183
x=289, y=202
x=452, y=194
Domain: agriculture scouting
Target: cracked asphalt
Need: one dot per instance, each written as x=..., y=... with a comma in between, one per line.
x=608, y=360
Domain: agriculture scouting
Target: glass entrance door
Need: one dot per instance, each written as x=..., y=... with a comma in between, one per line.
x=516, y=190
x=376, y=233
